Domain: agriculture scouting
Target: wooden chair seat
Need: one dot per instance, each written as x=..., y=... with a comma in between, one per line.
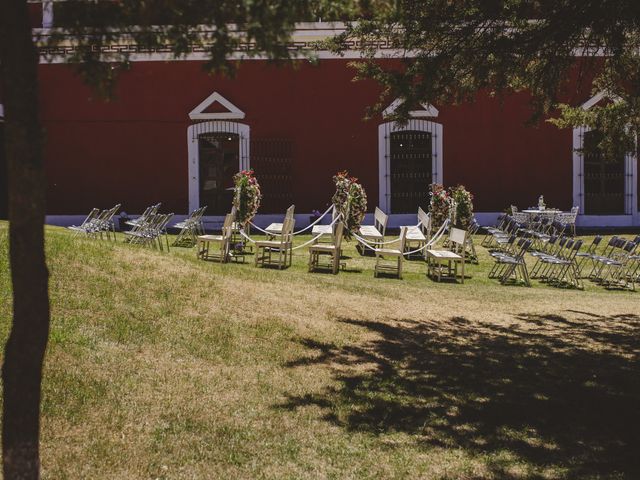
x=369, y=231
x=268, y=243
x=322, y=248
x=446, y=254
x=274, y=228
x=440, y=262
x=388, y=252
x=415, y=234
x=210, y=238
x=321, y=229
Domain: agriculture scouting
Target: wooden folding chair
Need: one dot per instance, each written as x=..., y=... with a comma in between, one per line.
x=389, y=260
x=445, y=262
x=223, y=241
x=332, y=250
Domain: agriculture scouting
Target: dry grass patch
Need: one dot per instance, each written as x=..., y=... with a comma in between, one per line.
x=161, y=366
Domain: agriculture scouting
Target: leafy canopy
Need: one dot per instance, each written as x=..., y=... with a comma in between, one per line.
x=554, y=49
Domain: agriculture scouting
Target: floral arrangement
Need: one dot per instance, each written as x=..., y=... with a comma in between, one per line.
x=464, y=206
x=350, y=200
x=455, y=204
x=246, y=196
x=439, y=205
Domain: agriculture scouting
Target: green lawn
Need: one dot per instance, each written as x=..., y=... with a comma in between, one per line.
x=163, y=366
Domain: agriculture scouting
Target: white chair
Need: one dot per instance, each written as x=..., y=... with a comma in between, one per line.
x=374, y=234
x=332, y=250
x=275, y=229
x=223, y=240
x=266, y=250
x=325, y=231
x=418, y=235
x=389, y=260
x=440, y=262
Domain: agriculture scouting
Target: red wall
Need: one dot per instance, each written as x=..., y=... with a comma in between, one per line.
x=133, y=149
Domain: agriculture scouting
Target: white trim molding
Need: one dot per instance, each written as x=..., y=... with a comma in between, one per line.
x=193, y=133
x=630, y=176
x=384, y=154
x=630, y=169
x=232, y=113
x=428, y=110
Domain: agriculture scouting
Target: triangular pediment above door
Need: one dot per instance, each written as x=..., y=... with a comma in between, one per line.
x=425, y=110
x=216, y=107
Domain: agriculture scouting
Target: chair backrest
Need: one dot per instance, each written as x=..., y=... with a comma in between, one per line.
x=524, y=248
x=424, y=221
x=287, y=230
x=163, y=221
x=403, y=238
x=574, y=251
x=594, y=244
x=113, y=211
x=92, y=216
x=380, y=220
x=290, y=211
x=457, y=239
x=227, y=226
x=338, y=230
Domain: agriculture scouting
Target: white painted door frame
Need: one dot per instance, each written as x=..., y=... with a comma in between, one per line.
x=630, y=184
x=384, y=151
x=193, y=133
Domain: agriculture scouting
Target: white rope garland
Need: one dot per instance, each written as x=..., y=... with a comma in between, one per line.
x=436, y=237
x=299, y=246
x=316, y=221
x=241, y=230
x=311, y=225
x=319, y=235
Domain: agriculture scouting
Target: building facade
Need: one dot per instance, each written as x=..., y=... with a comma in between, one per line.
x=176, y=135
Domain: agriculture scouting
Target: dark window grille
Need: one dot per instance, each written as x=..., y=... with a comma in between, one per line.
x=410, y=170
x=603, y=179
x=272, y=161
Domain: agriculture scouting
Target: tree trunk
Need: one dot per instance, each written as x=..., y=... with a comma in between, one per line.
x=25, y=348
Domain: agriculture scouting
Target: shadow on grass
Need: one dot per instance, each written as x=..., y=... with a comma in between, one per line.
x=557, y=393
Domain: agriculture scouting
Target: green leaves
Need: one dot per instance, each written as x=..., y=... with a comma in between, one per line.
x=552, y=49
